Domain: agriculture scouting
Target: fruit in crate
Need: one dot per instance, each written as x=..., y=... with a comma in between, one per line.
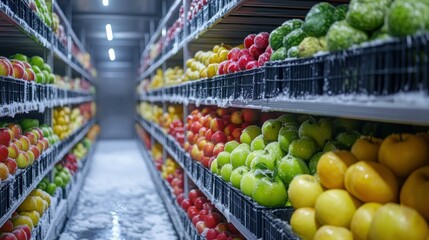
x=61, y=122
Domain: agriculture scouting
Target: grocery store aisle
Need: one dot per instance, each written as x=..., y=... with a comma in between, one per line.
x=118, y=199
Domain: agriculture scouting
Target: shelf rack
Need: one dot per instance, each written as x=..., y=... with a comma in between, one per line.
x=17, y=191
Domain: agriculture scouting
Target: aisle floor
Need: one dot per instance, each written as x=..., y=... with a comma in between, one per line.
x=118, y=199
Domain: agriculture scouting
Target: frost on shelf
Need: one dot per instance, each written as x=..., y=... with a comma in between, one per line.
x=119, y=200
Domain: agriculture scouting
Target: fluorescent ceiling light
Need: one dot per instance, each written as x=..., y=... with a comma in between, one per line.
x=105, y=3
x=109, y=32
x=112, y=54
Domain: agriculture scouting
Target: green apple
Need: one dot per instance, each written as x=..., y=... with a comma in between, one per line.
x=37, y=61
x=252, y=156
x=271, y=129
x=275, y=150
x=250, y=133
x=231, y=145
x=303, y=118
x=40, y=78
x=20, y=57
x=343, y=124
x=248, y=183
x=287, y=118
x=238, y=157
x=331, y=146
x=320, y=131
x=289, y=167
x=47, y=68
x=264, y=158
x=303, y=148
x=214, y=167
x=286, y=137
x=244, y=146
x=223, y=158
x=225, y=171
x=36, y=69
x=258, y=143
x=51, y=188
x=312, y=165
x=46, y=74
x=347, y=139
x=51, y=79
x=270, y=193
x=42, y=185
x=236, y=176
x=59, y=181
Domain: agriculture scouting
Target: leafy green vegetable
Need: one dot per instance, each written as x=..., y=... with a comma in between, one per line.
x=367, y=15
x=276, y=36
x=407, y=18
x=279, y=54
x=294, y=38
x=342, y=36
x=340, y=12
x=293, y=52
x=319, y=19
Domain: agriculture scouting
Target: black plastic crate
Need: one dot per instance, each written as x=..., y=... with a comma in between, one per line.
x=217, y=87
x=18, y=185
x=303, y=77
x=5, y=196
x=252, y=84
x=208, y=180
x=276, y=225
x=231, y=86
x=273, y=76
x=28, y=172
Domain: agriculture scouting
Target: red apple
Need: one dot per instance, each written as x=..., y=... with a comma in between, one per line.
x=223, y=235
x=199, y=201
x=35, y=151
x=226, y=66
x=11, y=165
x=209, y=135
x=213, y=219
x=218, y=137
x=205, y=161
x=195, y=127
x=233, y=54
x=7, y=226
x=30, y=74
x=209, y=207
x=17, y=143
x=202, y=132
x=221, y=67
x=208, y=149
x=230, y=128
x=196, y=219
x=243, y=61
x=263, y=58
x=233, y=67
x=5, y=136
x=18, y=69
x=237, y=117
x=222, y=227
x=237, y=133
x=232, y=228
x=249, y=40
x=217, y=124
x=252, y=65
x=33, y=138
x=46, y=143
x=180, y=198
x=261, y=40
x=177, y=191
x=16, y=130
x=244, y=52
x=4, y=153
x=250, y=115
x=40, y=145
x=186, y=204
x=6, y=68
x=26, y=230
x=20, y=234
x=255, y=52
x=194, y=193
x=190, y=137
x=219, y=147
x=8, y=236
x=192, y=212
x=222, y=112
x=212, y=234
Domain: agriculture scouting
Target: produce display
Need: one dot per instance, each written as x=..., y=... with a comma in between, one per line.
x=66, y=120
x=32, y=69
x=173, y=174
x=26, y=217
x=21, y=144
x=73, y=84
x=59, y=30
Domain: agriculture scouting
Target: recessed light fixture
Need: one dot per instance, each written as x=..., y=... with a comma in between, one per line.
x=112, y=55
x=109, y=32
x=105, y=3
